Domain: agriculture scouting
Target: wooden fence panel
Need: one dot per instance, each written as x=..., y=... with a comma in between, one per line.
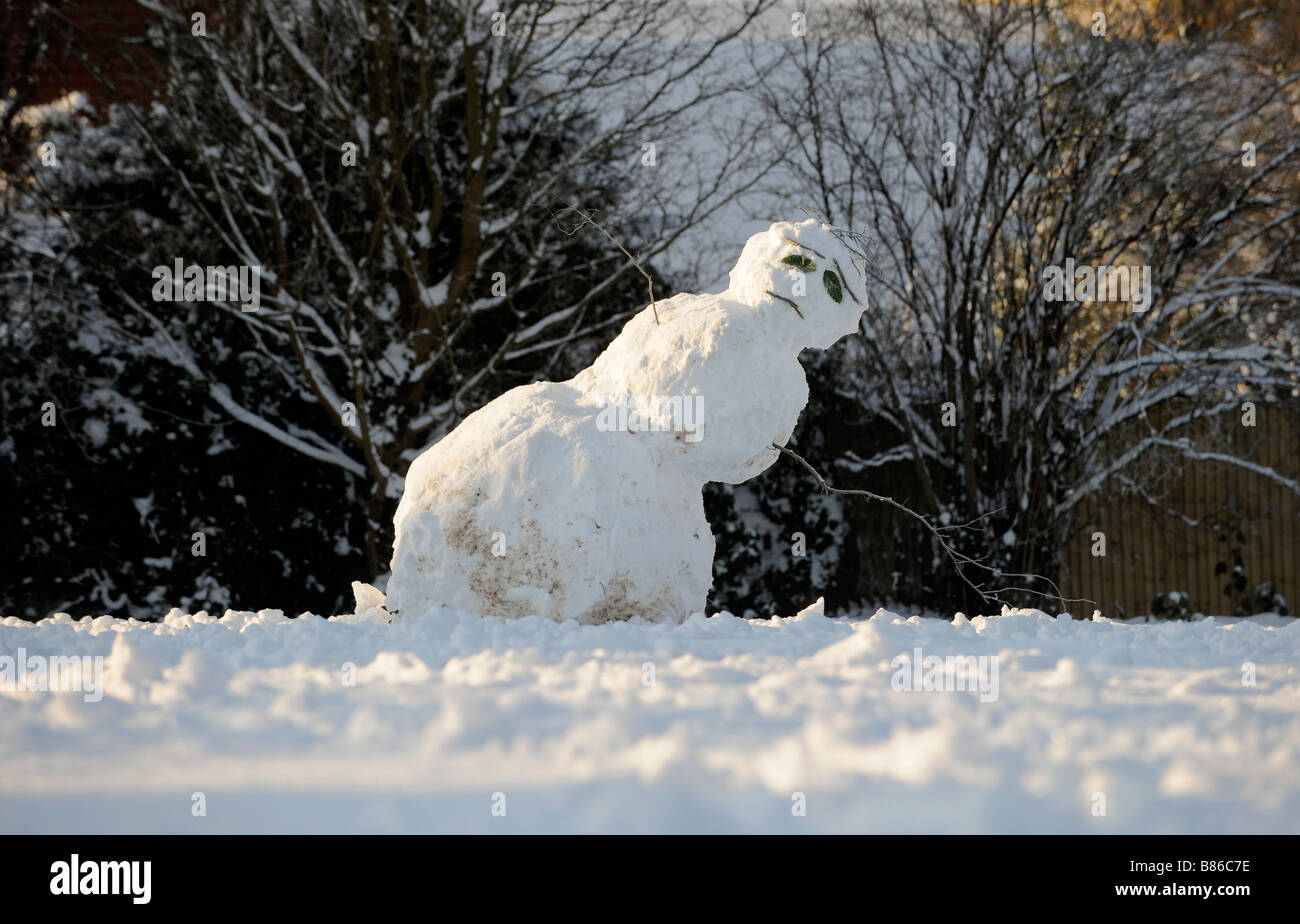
x=1149, y=552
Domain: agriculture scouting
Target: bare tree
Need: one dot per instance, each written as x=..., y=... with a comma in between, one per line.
x=984, y=146
x=391, y=165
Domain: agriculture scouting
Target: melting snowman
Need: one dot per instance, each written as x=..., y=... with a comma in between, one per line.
x=583, y=499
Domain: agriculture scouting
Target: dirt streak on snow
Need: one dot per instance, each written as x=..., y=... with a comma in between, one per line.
x=252, y=710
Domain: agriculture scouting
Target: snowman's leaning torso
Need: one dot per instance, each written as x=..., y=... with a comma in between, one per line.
x=530, y=507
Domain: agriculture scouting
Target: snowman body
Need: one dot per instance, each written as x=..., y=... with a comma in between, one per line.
x=536, y=505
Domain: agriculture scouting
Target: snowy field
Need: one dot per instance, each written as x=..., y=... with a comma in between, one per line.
x=716, y=725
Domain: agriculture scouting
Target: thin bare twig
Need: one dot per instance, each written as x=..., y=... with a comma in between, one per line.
x=959, y=559
x=855, y=242
x=589, y=219
x=788, y=301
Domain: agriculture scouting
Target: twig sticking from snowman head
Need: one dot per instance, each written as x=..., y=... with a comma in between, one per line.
x=855, y=242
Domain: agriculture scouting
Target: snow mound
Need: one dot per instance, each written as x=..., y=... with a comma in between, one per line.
x=1010, y=723
x=583, y=499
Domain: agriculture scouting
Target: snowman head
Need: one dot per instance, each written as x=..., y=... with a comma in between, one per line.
x=808, y=276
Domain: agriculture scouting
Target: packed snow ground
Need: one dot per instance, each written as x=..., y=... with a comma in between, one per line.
x=252, y=711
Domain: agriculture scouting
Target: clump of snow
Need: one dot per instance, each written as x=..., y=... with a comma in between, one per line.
x=711, y=725
x=547, y=502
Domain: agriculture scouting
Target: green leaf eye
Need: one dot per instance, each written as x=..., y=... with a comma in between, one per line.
x=800, y=262
x=832, y=284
